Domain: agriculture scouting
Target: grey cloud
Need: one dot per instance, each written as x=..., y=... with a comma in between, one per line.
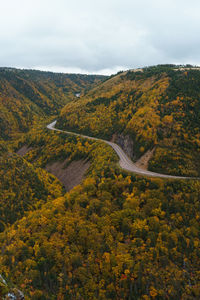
x=94, y=35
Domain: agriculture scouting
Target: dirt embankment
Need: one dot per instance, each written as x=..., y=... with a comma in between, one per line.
x=144, y=159
x=69, y=174
x=22, y=151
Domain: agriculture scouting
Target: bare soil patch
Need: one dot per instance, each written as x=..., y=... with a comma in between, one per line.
x=144, y=159
x=22, y=151
x=71, y=175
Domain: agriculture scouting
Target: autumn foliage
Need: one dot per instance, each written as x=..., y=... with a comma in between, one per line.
x=158, y=108
x=116, y=235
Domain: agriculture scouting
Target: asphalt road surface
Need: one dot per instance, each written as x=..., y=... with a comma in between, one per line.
x=125, y=162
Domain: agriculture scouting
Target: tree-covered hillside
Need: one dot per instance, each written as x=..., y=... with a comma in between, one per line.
x=158, y=107
x=27, y=95
x=23, y=187
x=115, y=236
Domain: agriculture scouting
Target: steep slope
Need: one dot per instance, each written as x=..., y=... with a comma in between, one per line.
x=154, y=107
x=23, y=187
x=26, y=95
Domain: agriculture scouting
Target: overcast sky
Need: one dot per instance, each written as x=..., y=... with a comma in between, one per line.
x=98, y=36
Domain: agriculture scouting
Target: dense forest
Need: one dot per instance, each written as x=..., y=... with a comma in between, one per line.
x=116, y=235
x=23, y=187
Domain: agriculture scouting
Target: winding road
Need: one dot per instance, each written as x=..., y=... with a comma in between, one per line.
x=125, y=162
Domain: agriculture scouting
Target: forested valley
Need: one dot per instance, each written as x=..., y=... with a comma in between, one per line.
x=116, y=235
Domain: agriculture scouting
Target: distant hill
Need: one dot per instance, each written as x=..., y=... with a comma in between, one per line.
x=156, y=107
x=28, y=94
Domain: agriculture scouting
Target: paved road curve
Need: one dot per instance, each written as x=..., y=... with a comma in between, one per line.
x=125, y=162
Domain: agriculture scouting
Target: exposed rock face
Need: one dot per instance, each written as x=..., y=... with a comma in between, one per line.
x=125, y=142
